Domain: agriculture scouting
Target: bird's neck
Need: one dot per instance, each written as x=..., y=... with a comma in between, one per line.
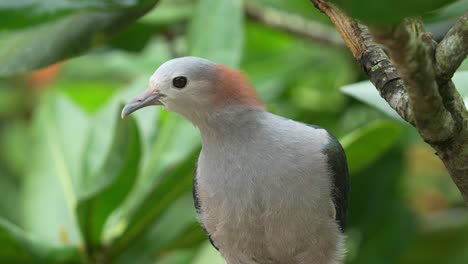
x=228, y=121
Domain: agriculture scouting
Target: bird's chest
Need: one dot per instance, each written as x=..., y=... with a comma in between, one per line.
x=232, y=190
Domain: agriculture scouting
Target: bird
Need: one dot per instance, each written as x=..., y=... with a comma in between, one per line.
x=267, y=189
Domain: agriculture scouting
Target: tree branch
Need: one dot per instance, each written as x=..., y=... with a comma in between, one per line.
x=294, y=24
x=372, y=59
x=452, y=50
x=413, y=84
x=410, y=48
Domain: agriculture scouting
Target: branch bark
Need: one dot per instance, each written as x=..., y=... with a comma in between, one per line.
x=416, y=81
x=452, y=50
x=410, y=48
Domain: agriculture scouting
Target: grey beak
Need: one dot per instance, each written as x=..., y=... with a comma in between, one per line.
x=147, y=98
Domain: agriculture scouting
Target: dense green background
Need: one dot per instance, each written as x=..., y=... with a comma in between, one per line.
x=77, y=184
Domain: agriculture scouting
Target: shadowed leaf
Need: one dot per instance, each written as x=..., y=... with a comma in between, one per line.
x=44, y=44
x=113, y=183
x=368, y=143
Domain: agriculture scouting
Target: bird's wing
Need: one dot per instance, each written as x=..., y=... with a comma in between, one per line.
x=340, y=178
x=197, y=204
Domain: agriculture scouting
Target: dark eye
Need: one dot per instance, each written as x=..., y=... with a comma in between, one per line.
x=179, y=82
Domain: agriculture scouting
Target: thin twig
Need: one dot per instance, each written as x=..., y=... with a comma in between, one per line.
x=294, y=24
x=452, y=50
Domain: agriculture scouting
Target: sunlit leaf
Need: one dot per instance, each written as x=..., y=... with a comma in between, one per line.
x=211, y=37
x=50, y=187
x=366, y=92
x=207, y=254
x=366, y=144
x=460, y=79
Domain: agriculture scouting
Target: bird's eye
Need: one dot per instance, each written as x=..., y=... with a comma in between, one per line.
x=179, y=82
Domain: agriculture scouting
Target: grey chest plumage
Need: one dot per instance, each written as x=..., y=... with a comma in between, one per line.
x=274, y=191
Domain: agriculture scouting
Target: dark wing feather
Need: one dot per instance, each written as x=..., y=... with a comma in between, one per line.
x=340, y=177
x=197, y=204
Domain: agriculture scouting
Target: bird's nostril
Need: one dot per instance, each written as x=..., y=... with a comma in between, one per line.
x=139, y=100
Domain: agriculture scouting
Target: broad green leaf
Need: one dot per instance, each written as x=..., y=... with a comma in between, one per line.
x=366, y=144
x=449, y=12
x=460, y=79
x=217, y=31
x=169, y=12
x=108, y=189
x=178, y=257
x=44, y=44
x=380, y=236
x=17, y=246
x=21, y=248
x=174, y=183
x=389, y=11
x=10, y=99
x=366, y=92
x=119, y=66
x=207, y=254
x=190, y=237
x=23, y=13
x=50, y=186
x=157, y=242
x=89, y=95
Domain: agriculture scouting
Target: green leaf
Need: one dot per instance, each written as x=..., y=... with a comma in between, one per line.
x=379, y=222
x=21, y=248
x=29, y=12
x=50, y=186
x=211, y=37
x=388, y=11
x=207, y=254
x=157, y=242
x=109, y=188
x=169, y=13
x=366, y=92
x=190, y=237
x=460, y=79
x=41, y=45
x=17, y=247
x=175, y=182
x=449, y=12
x=366, y=144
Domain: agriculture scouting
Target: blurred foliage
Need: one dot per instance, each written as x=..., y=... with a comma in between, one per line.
x=389, y=11
x=79, y=185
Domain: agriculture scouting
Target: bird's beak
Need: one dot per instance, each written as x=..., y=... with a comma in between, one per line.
x=148, y=97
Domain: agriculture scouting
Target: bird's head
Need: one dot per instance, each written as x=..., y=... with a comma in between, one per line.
x=194, y=87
